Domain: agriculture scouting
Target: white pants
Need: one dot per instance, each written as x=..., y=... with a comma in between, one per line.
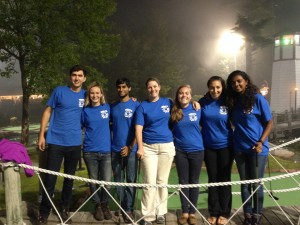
x=156, y=166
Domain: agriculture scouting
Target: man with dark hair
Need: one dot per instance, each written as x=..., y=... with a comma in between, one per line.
x=124, y=159
x=64, y=139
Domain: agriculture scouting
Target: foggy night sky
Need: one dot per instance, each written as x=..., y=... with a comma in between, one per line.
x=198, y=23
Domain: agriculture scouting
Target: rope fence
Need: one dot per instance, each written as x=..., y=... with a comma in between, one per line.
x=178, y=187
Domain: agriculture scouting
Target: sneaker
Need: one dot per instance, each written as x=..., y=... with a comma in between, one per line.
x=42, y=220
x=160, y=219
x=144, y=222
x=129, y=218
x=106, y=212
x=98, y=213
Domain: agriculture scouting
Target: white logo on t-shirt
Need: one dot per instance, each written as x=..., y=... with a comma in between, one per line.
x=128, y=113
x=81, y=102
x=248, y=112
x=223, y=110
x=193, y=116
x=104, y=114
x=165, y=108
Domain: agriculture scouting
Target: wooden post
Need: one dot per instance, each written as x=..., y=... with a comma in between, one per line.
x=13, y=196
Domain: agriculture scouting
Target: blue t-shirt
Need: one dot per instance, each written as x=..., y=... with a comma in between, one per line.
x=95, y=121
x=123, y=131
x=216, y=127
x=154, y=117
x=250, y=126
x=64, y=125
x=187, y=134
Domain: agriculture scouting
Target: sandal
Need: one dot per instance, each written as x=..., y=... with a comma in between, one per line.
x=192, y=219
x=222, y=220
x=182, y=220
x=212, y=220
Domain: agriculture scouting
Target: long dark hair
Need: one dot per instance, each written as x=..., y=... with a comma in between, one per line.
x=222, y=81
x=247, y=98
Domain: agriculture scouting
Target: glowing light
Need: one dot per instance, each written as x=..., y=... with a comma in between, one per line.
x=231, y=42
x=287, y=40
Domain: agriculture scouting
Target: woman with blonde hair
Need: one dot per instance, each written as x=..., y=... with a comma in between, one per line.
x=189, y=150
x=97, y=146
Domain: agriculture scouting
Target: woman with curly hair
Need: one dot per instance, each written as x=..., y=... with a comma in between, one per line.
x=252, y=119
x=189, y=150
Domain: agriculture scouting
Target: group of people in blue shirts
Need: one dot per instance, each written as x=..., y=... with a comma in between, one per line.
x=156, y=131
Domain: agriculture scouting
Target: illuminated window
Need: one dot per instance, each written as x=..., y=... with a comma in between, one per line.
x=296, y=38
x=277, y=42
x=287, y=40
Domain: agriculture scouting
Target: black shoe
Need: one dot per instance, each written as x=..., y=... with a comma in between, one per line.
x=64, y=214
x=118, y=213
x=42, y=220
x=256, y=219
x=106, y=212
x=128, y=219
x=247, y=219
x=98, y=213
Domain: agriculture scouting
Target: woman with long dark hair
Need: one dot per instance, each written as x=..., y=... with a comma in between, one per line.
x=252, y=120
x=217, y=138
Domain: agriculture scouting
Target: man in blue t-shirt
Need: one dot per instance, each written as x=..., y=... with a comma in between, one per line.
x=64, y=139
x=124, y=159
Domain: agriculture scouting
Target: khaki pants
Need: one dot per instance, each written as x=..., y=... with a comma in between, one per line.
x=156, y=166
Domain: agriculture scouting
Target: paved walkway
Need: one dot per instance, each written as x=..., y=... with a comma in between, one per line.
x=271, y=216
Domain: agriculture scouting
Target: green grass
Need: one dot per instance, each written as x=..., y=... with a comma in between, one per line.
x=30, y=186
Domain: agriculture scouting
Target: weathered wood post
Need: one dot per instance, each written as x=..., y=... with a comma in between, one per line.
x=13, y=197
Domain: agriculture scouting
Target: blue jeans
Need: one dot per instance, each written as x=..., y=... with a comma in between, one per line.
x=99, y=168
x=125, y=167
x=55, y=155
x=188, y=166
x=248, y=170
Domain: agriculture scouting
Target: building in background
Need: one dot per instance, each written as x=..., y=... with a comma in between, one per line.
x=286, y=73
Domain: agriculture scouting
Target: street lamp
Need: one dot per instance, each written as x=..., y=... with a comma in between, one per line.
x=296, y=90
x=231, y=43
x=291, y=101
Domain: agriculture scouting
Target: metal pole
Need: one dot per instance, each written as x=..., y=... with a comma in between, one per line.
x=296, y=100
x=290, y=101
x=235, y=60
